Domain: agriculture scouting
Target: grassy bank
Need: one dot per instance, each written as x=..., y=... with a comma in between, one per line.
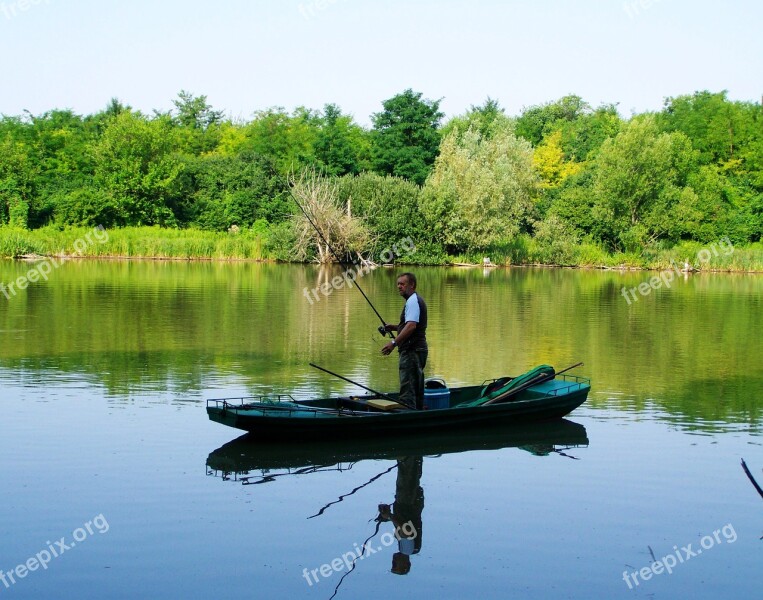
x=132, y=242
x=194, y=244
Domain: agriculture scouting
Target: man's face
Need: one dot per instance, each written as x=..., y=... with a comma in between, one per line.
x=405, y=287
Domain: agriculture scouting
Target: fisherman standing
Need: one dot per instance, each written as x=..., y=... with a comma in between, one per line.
x=411, y=342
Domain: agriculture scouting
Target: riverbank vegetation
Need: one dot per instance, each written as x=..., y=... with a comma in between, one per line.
x=562, y=183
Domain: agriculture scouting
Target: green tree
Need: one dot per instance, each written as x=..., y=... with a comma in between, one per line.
x=641, y=176
x=406, y=137
x=388, y=205
x=537, y=121
x=583, y=137
x=715, y=126
x=341, y=146
x=138, y=171
x=235, y=190
x=20, y=168
x=198, y=122
x=487, y=120
x=480, y=191
x=287, y=140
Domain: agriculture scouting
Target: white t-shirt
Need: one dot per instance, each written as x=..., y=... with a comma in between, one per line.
x=412, y=311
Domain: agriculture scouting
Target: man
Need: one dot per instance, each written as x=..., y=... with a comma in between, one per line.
x=411, y=342
x=405, y=513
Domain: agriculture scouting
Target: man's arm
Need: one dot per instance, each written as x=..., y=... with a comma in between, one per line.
x=407, y=332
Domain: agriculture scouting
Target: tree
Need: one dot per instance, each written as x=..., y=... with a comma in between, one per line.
x=583, y=137
x=548, y=159
x=388, y=205
x=641, y=176
x=487, y=120
x=480, y=191
x=17, y=181
x=288, y=140
x=195, y=112
x=235, y=190
x=337, y=230
x=341, y=146
x=537, y=121
x=405, y=136
x=138, y=171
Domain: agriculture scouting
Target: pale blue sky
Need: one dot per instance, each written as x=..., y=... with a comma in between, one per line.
x=247, y=55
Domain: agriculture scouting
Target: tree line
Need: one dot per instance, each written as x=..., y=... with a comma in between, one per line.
x=556, y=178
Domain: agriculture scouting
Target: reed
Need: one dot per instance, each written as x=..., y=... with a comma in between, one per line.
x=258, y=244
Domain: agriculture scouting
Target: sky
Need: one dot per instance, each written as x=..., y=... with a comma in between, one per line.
x=249, y=55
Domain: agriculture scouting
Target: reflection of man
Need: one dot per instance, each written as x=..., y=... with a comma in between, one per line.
x=406, y=511
x=411, y=342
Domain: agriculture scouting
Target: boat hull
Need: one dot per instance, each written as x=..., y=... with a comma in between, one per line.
x=287, y=426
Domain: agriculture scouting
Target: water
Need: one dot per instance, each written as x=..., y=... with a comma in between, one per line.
x=104, y=369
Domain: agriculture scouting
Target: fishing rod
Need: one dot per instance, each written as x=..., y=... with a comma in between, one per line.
x=360, y=487
x=385, y=396
x=383, y=329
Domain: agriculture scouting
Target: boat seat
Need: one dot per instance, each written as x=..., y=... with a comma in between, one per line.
x=386, y=405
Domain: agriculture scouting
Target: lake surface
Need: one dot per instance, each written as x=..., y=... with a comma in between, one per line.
x=115, y=479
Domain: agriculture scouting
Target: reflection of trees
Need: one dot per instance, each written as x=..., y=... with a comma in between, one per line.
x=691, y=349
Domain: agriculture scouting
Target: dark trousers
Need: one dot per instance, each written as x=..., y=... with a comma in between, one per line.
x=412, y=363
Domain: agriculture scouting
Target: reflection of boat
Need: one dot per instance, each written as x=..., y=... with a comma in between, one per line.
x=283, y=417
x=246, y=454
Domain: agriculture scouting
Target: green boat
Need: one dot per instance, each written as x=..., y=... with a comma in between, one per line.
x=538, y=395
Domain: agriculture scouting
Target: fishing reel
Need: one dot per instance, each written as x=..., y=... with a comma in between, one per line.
x=382, y=329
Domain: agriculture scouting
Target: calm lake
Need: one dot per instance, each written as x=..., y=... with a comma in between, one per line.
x=118, y=486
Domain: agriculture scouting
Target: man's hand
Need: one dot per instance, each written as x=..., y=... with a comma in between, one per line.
x=388, y=348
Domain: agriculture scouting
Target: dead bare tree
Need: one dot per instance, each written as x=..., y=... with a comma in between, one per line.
x=347, y=235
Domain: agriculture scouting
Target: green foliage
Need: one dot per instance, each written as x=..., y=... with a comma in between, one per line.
x=538, y=121
x=486, y=120
x=341, y=146
x=640, y=178
x=481, y=189
x=235, y=190
x=716, y=126
x=387, y=204
x=287, y=140
x=596, y=185
x=406, y=137
x=557, y=242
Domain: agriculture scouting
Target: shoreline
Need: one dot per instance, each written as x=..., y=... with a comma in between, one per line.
x=32, y=258
x=192, y=245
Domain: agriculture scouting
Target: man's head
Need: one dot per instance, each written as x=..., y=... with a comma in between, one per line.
x=406, y=284
x=401, y=563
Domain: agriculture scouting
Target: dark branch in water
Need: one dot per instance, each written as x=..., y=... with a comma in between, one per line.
x=374, y=478
x=355, y=560
x=752, y=479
